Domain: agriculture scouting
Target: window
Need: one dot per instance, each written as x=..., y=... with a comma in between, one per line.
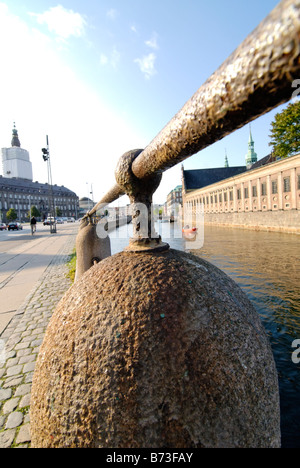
x=264, y=188
x=298, y=181
x=286, y=184
x=254, y=191
x=274, y=187
x=225, y=196
x=220, y=197
x=246, y=191
x=238, y=194
x=231, y=195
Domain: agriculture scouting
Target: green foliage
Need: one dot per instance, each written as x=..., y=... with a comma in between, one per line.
x=35, y=212
x=11, y=214
x=72, y=266
x=58, y=212
x=285, y=131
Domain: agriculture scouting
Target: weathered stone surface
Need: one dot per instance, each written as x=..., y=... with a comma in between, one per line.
x=88, y=247
x=155, y=350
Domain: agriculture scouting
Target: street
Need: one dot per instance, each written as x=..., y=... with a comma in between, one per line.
x=23, y=259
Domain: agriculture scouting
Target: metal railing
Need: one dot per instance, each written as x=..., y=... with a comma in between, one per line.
x=256, y=78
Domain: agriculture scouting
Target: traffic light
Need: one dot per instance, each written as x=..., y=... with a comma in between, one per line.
x=45, y=154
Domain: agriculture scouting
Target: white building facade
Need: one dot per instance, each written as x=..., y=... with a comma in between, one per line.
x=15, y=160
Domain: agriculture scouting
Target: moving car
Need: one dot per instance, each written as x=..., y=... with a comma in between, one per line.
x=49, y=221
x=14, y=226
x=3, y=226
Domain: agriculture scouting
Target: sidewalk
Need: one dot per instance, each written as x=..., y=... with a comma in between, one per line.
x=19, y=346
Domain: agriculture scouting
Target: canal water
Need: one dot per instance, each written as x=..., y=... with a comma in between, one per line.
x=266, y=265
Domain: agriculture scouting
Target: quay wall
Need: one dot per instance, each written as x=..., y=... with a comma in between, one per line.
x=279, y=221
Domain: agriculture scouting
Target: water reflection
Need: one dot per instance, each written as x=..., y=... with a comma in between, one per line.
x=266, y=265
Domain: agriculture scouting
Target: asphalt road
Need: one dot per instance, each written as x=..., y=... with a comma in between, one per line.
x=23, y=259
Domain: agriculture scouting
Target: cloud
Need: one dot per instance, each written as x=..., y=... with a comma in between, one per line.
x=62, y=22
x=112, y=60
x=112, y=14
x=133, y=29
x=147, y=65
x=103, y=59
x=152, y=42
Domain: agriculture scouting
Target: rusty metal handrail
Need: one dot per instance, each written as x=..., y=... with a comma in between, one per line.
x=256, y=78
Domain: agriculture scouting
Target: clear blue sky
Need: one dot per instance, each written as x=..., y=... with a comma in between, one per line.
x=101, y=77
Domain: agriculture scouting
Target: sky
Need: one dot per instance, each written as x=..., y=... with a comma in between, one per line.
x=102, y=77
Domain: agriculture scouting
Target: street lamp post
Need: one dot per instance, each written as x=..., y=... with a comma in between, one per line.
x=46, y=157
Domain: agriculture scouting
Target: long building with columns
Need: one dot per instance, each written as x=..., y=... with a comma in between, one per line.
x=264, y=194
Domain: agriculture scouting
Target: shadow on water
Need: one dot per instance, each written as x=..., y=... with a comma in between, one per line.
x=266, y=265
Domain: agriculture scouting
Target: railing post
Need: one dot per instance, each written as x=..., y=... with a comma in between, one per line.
x=90, y=248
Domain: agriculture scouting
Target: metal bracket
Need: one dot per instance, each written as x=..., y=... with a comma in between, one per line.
x=140, y=193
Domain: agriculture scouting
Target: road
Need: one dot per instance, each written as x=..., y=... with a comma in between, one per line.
x=23, y=259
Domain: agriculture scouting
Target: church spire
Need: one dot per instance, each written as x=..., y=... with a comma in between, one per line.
x=15, y=138
x=226, y=160
x=251, y=156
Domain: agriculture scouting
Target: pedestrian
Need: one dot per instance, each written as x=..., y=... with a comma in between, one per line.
x=33, y=225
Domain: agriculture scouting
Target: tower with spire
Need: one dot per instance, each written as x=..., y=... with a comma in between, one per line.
x=251, y=156
x=226, y=160
x=15, y=137
x=15, y=160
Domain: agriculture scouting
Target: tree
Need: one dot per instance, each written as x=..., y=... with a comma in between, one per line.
x=58, y=212
x=34, y=212
x=285, y=131
x=11, y=214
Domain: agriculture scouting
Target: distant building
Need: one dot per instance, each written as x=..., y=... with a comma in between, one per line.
x=174, y=198
x=85, y=205
x=18, y=191
x=264, y=194
x=267, y=195
x=15, y=160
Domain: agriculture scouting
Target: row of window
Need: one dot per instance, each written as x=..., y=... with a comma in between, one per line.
x=214, y=198
x=20, y=206
x=32, y=197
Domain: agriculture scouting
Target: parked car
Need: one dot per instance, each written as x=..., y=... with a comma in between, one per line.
x=71, y=220
x=59, y=221
x=14, y=226
x=49, y=221
x=3, y=226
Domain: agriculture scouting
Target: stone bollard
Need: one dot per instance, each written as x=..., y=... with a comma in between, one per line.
x=155, y=350
x=90, y=248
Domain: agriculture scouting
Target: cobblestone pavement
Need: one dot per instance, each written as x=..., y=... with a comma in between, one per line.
x=19, y=346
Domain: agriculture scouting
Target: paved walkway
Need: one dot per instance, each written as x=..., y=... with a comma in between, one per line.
x=19, y=346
